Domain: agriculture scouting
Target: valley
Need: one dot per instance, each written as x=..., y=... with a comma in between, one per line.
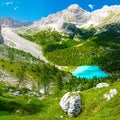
x=37, y=62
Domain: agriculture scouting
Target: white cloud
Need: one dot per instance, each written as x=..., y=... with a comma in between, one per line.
x=8, y=3
x=15, y=8
x=91, y=6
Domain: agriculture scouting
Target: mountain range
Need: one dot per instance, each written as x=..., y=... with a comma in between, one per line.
x=80, y=18
x=74, y=15
x=13, y=23
x=37, y=61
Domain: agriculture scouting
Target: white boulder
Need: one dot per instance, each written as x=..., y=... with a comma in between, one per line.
x=111, y=94
x=70, y=103
x=101, y=85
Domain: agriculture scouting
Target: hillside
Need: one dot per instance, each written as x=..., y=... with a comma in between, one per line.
x=94, y=106
x=11, y=39
x=21, y=70
x=36, y=65
x=24, y=76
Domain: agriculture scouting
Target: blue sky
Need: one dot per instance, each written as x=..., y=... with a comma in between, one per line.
x=30, y=10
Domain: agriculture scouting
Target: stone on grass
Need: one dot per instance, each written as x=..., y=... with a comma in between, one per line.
x=70, y=103
x=17, y=111
x=17, y=93
x=41, y=98
x=111, y=94
x=101, y=85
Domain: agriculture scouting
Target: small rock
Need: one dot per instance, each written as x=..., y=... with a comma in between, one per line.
x=71, y=103
x=17, y=111
x=17, y=93
x=41, y=98
x=111, y=94
x=101, y=85
x=42, y=91
x=107, y=96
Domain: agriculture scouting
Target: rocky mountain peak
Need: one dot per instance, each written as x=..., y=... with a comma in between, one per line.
x=76, y=16
x=74, y=7
x=73, y=14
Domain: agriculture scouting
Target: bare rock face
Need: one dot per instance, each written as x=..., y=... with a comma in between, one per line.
x=70, y=103
x=101, y=85
x=74, y=14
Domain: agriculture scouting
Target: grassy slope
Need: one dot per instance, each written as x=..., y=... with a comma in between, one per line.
x=26, y=68
x=94, y=107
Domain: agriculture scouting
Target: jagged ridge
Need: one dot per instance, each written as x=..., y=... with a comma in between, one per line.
x=13, y=23
x=81, y=18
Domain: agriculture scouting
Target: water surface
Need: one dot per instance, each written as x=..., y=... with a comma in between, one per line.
x=89, y=72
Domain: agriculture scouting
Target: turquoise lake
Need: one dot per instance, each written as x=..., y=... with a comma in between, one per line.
x=89, y=72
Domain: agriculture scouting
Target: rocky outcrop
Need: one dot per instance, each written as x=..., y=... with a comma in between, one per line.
x=73, y=14
x=79, y=17
x=101, y=85
x=71, y=103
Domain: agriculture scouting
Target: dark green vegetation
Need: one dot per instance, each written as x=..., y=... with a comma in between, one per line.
x=27, y=69
x=84, y=47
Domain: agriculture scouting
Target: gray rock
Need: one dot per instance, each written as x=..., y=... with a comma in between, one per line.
x=73, y=14
x=111, y=94
x=71, y=103
x=101, y=85
x=17, y=93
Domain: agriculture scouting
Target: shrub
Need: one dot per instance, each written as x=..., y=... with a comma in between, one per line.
x=32, y=107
